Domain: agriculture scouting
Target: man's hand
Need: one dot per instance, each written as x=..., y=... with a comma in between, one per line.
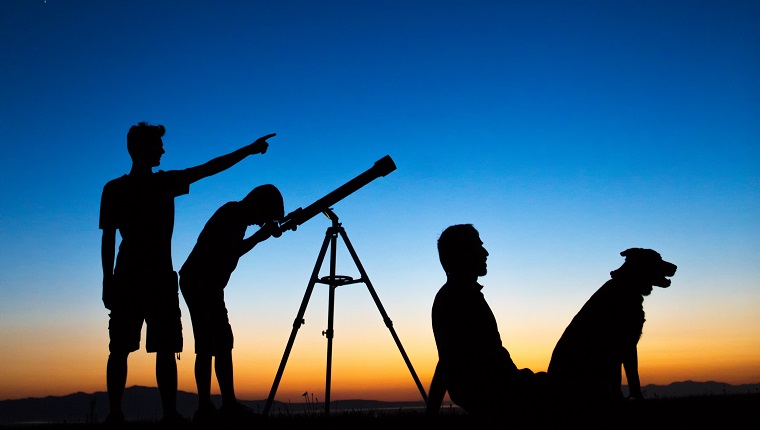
x=260, y=145
x=269, y=229
x=109, y=293
x=264, y=232
x=274, y=228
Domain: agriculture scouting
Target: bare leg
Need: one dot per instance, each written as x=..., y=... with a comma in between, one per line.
x=203, y=379
x=166, y=377
x=116, y=381
x=232, y=410
x=224, y=375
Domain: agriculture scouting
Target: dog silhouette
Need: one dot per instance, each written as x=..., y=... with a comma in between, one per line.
x=586, y=362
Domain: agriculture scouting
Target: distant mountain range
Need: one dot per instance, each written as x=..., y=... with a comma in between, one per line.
x=144, y=404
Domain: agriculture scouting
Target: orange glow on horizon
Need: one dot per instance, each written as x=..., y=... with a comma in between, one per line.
x=365, y=365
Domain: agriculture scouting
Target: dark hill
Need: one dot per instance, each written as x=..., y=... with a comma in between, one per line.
x=142, y=404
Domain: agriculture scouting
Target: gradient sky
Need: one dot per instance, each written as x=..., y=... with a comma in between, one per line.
x=565, y=131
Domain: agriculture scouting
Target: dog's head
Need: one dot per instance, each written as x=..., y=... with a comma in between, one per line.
x=645, y=266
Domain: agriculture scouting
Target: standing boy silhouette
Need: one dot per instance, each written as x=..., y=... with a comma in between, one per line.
x=203, y=278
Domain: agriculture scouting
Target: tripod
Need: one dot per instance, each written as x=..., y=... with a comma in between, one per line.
x=334, y=281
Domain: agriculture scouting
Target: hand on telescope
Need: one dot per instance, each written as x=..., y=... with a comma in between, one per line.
x=266, y=231
x=260, y=145
x=269, y=229
x=272, y=229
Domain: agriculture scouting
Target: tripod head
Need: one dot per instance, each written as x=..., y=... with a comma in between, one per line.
x=299, y=216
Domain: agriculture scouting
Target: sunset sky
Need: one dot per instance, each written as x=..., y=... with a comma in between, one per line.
x=565, y=131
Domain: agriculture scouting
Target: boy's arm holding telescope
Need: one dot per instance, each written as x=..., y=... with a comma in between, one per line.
x=263, y=233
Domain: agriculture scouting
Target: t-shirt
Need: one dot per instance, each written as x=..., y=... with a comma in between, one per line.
x=142, y=209
x=217, y=251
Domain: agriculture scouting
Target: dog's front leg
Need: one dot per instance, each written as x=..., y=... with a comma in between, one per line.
x=631, y=366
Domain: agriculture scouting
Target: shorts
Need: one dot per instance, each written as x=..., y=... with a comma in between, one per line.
x=154, y=301
x=211, y=325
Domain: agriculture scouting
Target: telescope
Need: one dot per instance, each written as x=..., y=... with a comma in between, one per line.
x=299, y=216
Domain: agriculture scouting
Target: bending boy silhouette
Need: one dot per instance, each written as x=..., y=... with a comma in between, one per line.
x=473, y=365
x=203, y=278
x=142, y=286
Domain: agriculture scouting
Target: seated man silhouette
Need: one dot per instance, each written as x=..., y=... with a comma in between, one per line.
x=473, y=364
x=203, y=279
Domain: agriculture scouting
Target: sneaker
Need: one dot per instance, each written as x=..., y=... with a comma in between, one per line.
x=238, y=413
x=206, y=414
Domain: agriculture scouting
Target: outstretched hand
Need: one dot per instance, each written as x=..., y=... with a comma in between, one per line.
x=260, y=145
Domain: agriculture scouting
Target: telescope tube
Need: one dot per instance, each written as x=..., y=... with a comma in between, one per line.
x=299, y=216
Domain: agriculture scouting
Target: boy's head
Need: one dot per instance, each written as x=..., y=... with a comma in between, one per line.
x=144, y=143
x=461, y=251
x=265, y=204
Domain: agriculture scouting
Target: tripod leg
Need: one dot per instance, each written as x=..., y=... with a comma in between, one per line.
x=386, y=319
x=330, y=319
x=297, y=323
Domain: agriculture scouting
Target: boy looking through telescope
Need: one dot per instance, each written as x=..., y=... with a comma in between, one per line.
x=203, y=278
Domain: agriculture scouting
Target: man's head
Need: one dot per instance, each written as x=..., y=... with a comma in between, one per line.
x=144, y=143
x=461, y=251
x=264, y=205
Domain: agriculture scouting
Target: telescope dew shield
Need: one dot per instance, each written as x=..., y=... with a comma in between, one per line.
x=299, y=216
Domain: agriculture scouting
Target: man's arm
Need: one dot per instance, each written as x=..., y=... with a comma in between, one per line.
x=437, y=391
x=107, y=255
x=265, y=232
x=224, y=162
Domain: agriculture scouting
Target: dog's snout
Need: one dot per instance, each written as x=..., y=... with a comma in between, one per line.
x=669, y=269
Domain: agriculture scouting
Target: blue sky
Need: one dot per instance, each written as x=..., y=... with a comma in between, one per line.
x=565, y=131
